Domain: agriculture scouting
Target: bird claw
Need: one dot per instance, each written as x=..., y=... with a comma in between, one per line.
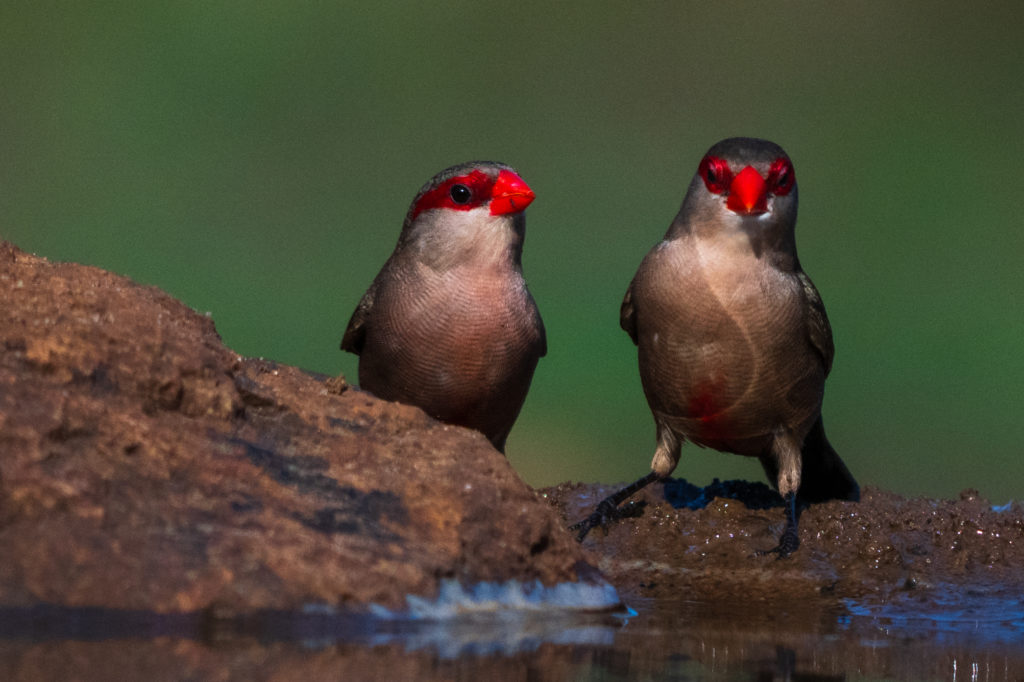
x=788, y=543
x=790, y=540
x=608, y=509
x=605, y=514
x=602, y=516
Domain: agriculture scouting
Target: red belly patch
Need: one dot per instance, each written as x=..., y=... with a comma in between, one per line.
x=706, y=406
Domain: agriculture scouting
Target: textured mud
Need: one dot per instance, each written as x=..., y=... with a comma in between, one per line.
x=169, y=509
x=702, y=543
x=144, y=465
x=890, y=587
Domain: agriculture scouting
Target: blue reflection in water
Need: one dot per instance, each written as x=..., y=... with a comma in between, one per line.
x=483, y=619
x=947, y=614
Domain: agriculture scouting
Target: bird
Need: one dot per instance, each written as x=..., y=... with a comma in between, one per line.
x=448, y=324
x=732, y=338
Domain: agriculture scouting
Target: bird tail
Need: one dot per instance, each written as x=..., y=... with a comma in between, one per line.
x=824, y=475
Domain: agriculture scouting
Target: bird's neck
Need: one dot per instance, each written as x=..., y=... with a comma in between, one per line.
x=741, y=239
x=481, y=242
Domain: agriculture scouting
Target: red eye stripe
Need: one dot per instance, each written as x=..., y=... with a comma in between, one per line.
x=781, y=177
x=715, y=173
x=478, y=183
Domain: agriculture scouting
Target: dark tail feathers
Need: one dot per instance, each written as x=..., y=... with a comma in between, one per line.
x=823, y=474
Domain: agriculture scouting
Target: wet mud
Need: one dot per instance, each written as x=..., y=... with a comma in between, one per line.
x=170, y=510
x=888, y=588
x=684, y=541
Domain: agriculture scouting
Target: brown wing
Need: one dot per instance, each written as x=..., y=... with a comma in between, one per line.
x=355, y=333
x=818, y=328
x=538, y=323
x=627, y=314
x=543, y=336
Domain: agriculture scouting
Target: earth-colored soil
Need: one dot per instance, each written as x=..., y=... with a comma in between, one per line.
x=144, y=465
x=704, y=543
x=160, y=496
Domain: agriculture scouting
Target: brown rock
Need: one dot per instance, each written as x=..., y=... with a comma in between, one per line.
x=144, y=465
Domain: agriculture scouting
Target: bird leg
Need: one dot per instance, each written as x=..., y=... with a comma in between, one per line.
x=789, y=541
x=608, y=509
x=788, y=459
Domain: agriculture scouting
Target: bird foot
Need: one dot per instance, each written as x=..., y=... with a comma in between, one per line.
x=790, y=540
x=788, y=543
x=607, y=512
x=608, y=509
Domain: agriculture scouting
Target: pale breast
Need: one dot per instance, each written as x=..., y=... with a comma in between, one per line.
x=723, y=346
x=462, y=345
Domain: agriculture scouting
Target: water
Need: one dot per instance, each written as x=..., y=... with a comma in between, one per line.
x=964, y=636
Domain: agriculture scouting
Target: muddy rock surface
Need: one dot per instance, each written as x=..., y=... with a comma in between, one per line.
x=144, y=465
x=167, y=505
x=686, y=542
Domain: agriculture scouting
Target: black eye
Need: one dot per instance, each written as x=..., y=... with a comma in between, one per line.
x=780, y=177
x=460, y=194
x=715, y=173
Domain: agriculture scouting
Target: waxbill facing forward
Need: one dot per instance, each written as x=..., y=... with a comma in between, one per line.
x=733, y=342
x=448, y=324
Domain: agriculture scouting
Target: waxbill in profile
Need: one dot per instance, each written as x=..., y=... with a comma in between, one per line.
x=733, y=342
x=448, y=324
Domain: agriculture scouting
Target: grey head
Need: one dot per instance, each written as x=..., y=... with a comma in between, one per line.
x=742, y=184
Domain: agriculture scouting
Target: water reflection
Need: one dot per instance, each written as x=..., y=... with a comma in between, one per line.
x=974, y=636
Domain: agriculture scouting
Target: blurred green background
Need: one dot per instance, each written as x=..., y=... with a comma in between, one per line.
x=256, y=160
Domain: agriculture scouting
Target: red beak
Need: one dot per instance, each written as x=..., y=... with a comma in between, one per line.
x=748, y=194
x=510, y=194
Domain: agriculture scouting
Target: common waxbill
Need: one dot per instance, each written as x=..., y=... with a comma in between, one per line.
x=733, y=342
x=448, y=324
